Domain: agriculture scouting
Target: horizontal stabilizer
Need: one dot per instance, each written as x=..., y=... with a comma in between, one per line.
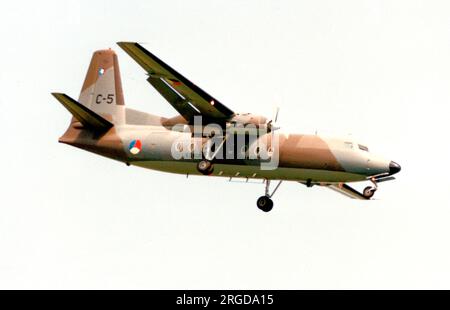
x=84, y=115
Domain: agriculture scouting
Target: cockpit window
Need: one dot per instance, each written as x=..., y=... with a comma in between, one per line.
x=362, y=147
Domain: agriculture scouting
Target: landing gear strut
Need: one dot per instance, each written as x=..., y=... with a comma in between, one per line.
x=265, y=203
x=205, y=166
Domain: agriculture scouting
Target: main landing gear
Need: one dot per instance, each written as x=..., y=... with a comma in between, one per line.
x=265, y=203
x=205, y=167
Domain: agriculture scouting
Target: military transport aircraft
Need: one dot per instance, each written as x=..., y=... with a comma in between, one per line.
x=185, y=144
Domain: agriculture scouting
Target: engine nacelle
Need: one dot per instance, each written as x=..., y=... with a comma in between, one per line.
x=248, y=118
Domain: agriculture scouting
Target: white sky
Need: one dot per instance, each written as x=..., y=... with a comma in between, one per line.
x=377, y=69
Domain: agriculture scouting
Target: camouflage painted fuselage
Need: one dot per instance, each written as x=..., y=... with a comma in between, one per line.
x=301, y=157
x=305, y=158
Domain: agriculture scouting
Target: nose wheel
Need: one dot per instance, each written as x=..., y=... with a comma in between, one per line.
x=369, y=191
x=265, y=203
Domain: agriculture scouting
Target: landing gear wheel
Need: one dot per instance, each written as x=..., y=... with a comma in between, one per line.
x=264, y=203
x=205, y=167
x=369, y=191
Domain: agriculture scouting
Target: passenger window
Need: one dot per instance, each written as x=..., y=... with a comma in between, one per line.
x=362, y=147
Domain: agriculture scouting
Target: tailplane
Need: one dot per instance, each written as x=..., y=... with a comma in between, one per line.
x=85, y=116
x=98, y=110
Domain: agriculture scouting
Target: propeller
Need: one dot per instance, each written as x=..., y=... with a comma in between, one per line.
x=271, y=125
x=277, y=110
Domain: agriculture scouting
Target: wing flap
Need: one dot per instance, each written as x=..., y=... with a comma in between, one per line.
x=84, y=115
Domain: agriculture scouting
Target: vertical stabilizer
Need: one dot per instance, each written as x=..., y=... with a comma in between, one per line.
x=102, y=87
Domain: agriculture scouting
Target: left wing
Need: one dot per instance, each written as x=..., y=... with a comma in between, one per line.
x=347, y=190
x=186, y=97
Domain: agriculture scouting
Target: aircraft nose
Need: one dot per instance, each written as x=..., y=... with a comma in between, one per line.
x=394, y=168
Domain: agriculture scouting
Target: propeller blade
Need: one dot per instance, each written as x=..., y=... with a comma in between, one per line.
x=276, y=114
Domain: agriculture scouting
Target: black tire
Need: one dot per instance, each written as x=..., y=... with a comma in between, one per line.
x=368, y=192
x=205, y=167
x=264, y=203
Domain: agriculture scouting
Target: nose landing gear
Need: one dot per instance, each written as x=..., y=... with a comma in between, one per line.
x=369, y=191
x=265, y=203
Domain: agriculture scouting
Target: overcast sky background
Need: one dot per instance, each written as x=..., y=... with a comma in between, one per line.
x=379, y=70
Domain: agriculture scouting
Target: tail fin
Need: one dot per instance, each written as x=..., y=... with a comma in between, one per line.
x=102, y=88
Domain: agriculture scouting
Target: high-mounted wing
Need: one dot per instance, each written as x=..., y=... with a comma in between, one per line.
x=186, y=97
x=347, y=190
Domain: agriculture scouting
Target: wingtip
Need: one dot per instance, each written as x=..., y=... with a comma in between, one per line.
x=125, y=43
x=61, y=96
x=56, y=94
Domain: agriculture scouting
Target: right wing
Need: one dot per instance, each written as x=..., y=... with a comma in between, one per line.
x=347, y=190
x=186, y=97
